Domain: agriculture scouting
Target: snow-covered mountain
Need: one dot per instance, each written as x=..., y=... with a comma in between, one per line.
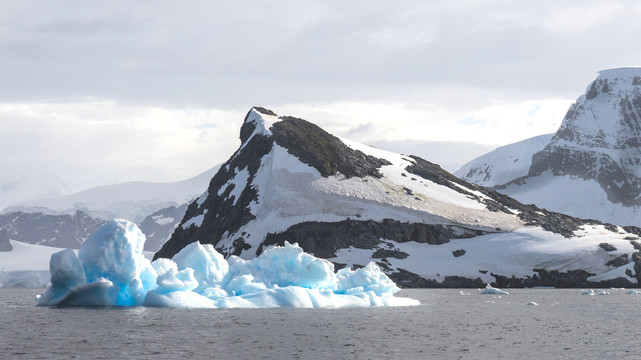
x=67, y=221
x=350, y=203
x=131, y=201
x=503, y=164
x=591, y=167
x=19, y=186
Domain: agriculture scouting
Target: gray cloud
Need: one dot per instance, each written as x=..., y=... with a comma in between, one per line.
x=225, y=55
x=169, y=81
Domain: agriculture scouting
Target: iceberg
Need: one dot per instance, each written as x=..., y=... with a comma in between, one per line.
x=491, y=290
x=110, y=270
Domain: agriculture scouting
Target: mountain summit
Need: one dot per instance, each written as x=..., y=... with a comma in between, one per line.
x=350, y=203
x=591, y=167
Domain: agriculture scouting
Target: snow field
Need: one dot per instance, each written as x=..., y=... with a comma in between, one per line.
x=516, y=253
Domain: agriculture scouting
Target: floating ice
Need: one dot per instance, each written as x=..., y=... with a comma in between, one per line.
x=110, y=270
x=490, y=290
x=633, y=292
x=591, y=292
x=532, y=303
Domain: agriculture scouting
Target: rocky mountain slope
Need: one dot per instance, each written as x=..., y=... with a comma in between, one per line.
x=159, y=226
x=5, y=243
x=350, y=203
x=591, y=167
x=65, y=231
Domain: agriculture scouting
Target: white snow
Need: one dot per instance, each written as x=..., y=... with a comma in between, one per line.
x=201, y=199
x=584, y=199
x=196, y=221
x=162, y=220
x=516, y=253
x=26, y=265
x=239, y=182
x=503, y=164
x=111, y=270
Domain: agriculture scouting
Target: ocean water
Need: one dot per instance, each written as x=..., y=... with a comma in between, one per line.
x=451, y=324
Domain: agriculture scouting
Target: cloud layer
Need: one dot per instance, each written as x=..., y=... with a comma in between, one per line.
x=164, y=85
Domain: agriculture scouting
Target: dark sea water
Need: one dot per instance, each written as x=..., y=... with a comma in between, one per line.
x=449, y=325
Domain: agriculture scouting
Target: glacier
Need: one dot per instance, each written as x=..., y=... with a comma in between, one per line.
x=110, y=270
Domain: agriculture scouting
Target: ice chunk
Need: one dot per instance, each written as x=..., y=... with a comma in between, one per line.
x=591, y=292
x=110, y=270
x=287, y=266
x=490, y=290
x=633, y=292
x=208, y=265
x=24, y=278
x=170, y=279
x=66, y=274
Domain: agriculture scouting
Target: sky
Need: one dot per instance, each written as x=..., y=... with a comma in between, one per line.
x=97, y=92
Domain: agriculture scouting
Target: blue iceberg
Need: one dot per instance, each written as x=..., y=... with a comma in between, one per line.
x=110, y=269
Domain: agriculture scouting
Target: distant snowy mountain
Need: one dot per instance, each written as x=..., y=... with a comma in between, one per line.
x=67, y=221
x=16, y=186
x=350, y=203
x=504, y=164
x=131, y=201
x=591, y=167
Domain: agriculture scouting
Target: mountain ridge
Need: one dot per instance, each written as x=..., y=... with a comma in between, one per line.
x=422, y=225
x=596, y=151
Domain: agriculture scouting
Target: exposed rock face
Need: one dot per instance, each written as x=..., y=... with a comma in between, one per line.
x=159, y=226
x=591, y=167
x=568, y=279
x=314, y=237
x=323, y=151
x=292, y=181
x=600, y=138
x=5, y=244
x=221, y=212
x=65, y=231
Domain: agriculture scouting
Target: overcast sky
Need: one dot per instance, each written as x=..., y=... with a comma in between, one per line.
x=102, y=91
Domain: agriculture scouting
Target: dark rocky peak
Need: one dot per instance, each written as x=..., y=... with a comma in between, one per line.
x=322, y=150
x=5, y=244
x=252, y=120
x=310, y=144
x=227, y=207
